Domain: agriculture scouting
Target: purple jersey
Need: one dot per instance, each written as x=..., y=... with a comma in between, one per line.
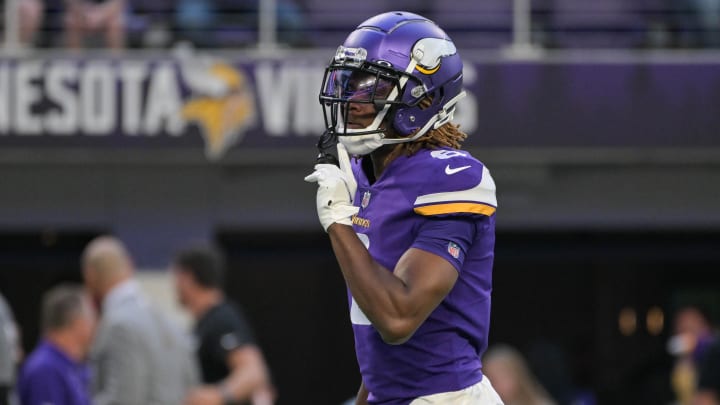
x=50, y=377
x=441, y=201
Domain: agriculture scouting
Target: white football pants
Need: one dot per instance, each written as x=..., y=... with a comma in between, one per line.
x=481, y=393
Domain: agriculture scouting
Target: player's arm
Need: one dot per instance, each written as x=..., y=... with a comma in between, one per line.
x=396, y=302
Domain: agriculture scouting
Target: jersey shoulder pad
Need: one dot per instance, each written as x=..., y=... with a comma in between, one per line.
x=454, y=183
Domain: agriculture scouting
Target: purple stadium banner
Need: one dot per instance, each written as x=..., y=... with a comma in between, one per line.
x=206, y=101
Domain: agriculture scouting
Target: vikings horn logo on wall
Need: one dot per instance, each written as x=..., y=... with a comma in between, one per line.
x=222, y=102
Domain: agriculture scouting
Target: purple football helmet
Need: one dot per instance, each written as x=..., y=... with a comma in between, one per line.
x=393, y=61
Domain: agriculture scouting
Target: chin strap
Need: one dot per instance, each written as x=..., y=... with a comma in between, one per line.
x=443, y=116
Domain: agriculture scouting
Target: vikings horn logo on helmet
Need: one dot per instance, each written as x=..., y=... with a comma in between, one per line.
x=429, y=53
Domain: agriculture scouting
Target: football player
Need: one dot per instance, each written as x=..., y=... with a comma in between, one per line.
x=411, y=217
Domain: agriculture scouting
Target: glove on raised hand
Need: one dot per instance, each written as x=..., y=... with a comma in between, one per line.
x=336, y=190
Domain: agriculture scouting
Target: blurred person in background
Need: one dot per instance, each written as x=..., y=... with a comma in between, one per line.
x=548, y=361
x=233, y=367
x=29, y=16
x=696, y=22
x=708, y=14
x=138, y=356
x=194, y=21
x=708, y=387
x=56, y=372
x=9, y=351
x=512, y=378
x=411, y=219
x=223, y=23
x=217, y=23
x=83, y=19
x=693, y=335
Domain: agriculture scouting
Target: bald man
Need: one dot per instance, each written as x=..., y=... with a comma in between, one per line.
x=138, y=356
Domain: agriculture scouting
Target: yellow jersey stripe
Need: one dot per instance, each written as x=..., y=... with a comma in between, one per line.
x=456, y=208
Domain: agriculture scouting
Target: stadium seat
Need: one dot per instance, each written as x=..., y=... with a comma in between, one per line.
x=475, y=24
x=331, y=21
x=597, y=24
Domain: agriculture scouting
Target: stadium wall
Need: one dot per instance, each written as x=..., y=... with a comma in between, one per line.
x=166, y=149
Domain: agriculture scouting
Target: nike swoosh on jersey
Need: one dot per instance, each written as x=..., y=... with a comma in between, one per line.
x=450, y=171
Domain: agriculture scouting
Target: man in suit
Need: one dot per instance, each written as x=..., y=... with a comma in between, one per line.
x=139, y=357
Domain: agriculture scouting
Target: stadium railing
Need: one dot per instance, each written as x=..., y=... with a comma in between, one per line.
x=517, y=25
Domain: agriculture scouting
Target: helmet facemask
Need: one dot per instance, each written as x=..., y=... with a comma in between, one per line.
x=367, y=83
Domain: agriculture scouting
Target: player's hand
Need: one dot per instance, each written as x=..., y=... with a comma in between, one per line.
x=336, y=190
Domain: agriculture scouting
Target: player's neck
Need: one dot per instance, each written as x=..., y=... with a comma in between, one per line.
x=379, y=160
x=378, y=164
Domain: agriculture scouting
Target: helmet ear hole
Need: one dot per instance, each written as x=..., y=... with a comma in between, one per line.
x=425, y=103
x=440, y=99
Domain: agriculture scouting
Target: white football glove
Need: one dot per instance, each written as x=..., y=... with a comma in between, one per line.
x=336, y=190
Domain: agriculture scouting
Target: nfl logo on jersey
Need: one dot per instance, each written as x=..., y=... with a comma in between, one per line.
x=454, y=250
x=365, y=200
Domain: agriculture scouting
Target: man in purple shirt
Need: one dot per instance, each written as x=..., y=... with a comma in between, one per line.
x=56, y=373
x=412, y=219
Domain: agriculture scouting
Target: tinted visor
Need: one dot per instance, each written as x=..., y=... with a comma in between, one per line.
x=356, y=85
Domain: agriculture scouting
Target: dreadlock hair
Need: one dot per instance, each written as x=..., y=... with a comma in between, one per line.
x=448, y=136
